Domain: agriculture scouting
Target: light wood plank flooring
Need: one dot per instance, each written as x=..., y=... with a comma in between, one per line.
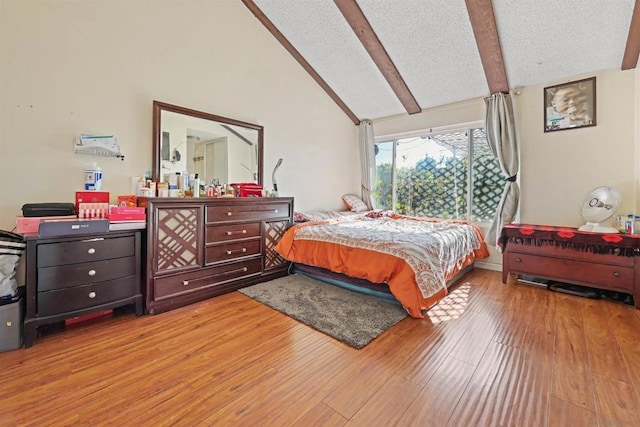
x=490, y=354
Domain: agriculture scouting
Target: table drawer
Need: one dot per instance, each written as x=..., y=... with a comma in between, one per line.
x=581, y=272
x=66, y=276
x=224, y=233
x=247, y=213
x=92, y=249
x=231, y=251
x=86, y=296
x=170, y=286
x=575, y=254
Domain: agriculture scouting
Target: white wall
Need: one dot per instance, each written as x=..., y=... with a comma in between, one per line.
x=84, y=66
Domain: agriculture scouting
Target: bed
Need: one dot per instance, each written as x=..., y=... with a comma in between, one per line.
x=413, y=257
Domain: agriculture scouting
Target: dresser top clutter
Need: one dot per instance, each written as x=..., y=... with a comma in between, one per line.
x=197, y=225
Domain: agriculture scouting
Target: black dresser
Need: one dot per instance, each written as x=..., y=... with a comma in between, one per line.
x=74, y=276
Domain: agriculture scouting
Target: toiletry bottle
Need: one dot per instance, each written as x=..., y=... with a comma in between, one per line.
x=196, y=186
x=628, y=226
x=93, y=178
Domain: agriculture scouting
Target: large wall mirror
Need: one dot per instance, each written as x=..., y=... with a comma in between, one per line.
x=216, y=148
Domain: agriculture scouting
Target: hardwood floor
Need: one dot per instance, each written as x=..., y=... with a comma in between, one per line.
x=488, y=355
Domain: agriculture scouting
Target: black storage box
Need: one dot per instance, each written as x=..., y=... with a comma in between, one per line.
x=48, y=209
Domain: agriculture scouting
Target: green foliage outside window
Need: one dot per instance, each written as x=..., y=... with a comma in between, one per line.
x=439, y=187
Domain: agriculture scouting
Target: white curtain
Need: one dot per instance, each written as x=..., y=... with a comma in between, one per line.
x=368, y=161
x=501, y=136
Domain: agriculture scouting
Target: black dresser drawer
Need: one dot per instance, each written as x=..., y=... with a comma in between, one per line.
x=168, y=287
x=91, y=249
x=66, y=276
x=86, y=296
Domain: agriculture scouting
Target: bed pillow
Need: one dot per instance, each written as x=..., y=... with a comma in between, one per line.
x=322, y=215
x=379, y=213
x=355, y=203
x=300, y=217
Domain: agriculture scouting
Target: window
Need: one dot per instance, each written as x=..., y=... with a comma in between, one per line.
x=428, y=174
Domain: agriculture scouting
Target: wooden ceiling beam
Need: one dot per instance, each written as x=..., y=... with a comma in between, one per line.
x=485, y=30
x=298, y=57
x=360, y=25
x=632, y=49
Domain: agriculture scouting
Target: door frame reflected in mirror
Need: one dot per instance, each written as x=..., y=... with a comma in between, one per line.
x=228, y=123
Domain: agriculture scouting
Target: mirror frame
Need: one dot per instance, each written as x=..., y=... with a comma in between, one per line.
x=159, y=107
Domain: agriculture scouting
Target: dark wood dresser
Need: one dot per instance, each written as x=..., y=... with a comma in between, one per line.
x=597, y=260
x=74, y=276
x=198, y=248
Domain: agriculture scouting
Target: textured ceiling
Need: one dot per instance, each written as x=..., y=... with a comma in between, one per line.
x=433, y=47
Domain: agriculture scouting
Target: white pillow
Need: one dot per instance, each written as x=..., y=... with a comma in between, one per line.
x=355, y=203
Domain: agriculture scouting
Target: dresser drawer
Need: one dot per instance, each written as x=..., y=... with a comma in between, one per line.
x=247, y=213
x=66, y=276
x=572, y=271
x=86, y=296
x=93, y=249
x=224, y=233
x=231, y=251
x=170, y=286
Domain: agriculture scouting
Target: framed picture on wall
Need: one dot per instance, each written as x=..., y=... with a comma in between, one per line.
x=570, y=105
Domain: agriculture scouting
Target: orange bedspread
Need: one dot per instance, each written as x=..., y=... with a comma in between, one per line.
x=415, y=257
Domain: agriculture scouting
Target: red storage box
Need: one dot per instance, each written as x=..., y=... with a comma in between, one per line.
x=126, y=210
x=127, y=200
x=127, y=217
x=247, y=189
x=91, y=197
x=28, y=225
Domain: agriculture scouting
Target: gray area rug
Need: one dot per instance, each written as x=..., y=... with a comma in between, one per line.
x=350, y=317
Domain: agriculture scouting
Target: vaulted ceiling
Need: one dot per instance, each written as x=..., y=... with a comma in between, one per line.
x=380, y=58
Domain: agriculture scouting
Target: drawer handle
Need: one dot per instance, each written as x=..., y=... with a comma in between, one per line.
x=92, y=294
x=91, y=251
x=616, y=274
x=185, y=282
x=275, y=211
x=229, y=233
x=92, y=273
x=243, y=250
x=229, y=213
x=518, y=259
x=9, y=323
x=238, y=270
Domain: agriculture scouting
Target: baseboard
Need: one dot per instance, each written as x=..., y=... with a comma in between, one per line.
x=488, y=265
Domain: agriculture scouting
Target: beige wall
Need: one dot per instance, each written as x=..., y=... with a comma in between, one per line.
x=76, y=66
x=558, y=169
